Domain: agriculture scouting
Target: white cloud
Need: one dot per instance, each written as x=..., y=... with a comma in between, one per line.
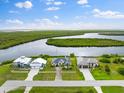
x=47, y=22
x=14, y=22
x=52, y=8
x=26, y=4
x=56, y=17
x=53, y=2
x=13, y=12
x=59, y=3
x=107, y=14
x=82, y=2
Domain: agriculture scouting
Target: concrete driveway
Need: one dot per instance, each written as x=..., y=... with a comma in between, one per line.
x=58, y=74
x=31, y=74
x=88, y=76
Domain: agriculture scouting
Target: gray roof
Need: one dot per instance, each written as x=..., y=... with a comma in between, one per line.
x=61, y=60
x=86, y=61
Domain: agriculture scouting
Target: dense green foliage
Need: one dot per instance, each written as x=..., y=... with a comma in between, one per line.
x=107, y=69
x=121, y=71
x=84, y=42
x=63, y=90
x=104, y=60
x=115, y=33
x=8, y=39
x=113, y=89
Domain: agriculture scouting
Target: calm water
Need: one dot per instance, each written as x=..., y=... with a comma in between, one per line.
x=40, y=47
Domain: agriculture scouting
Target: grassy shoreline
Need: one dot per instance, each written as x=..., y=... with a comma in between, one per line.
x=9, y=39
x=84, y=42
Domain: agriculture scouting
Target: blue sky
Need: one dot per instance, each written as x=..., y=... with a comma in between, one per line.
x=61, y=14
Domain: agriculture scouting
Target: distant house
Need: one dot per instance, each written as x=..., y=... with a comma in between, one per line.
x=87, y=62
x=22, y=62
x=38, y=63
x=61, y=61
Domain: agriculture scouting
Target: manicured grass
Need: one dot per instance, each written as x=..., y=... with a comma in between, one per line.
x=45, y=76
x=63, y=90
x=19, y=90
x=48, y=73
x=100, y=74
x=6, y=74
x=48, y=66
x=84, y=42
x=8, y=39
x=73, y=73
x=113, y=89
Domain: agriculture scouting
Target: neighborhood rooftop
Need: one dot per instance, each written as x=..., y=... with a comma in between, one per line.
x=23, y=60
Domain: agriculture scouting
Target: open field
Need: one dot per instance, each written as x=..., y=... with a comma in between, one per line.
x=6, y=74
x=84, y=42
x=113, y=89
x=63, y=90
x=113, y=64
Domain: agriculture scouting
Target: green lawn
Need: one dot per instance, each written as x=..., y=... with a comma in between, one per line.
x=63, y=90
x=84, y=42
x=73, y=73
x=113, y=89
x=45, y=76
x=48, y=66
x=48, y=73
x=100, y=74
x=6, y=74
x=19, y=90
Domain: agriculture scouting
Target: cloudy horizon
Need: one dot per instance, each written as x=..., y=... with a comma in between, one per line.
x=61, y=14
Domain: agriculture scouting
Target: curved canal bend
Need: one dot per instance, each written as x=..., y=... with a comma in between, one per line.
x=40, y=47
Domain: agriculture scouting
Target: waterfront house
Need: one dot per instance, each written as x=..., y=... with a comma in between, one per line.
x=87, y=62
x=22, y=62
x=61, y=61
x=38, y=63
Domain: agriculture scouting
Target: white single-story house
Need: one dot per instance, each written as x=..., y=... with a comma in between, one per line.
x=87, y=62
x=38, y=63
x=22, y=62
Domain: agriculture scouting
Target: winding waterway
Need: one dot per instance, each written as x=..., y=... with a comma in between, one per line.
x=40, y=47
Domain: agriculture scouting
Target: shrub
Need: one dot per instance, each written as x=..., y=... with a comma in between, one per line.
x=90, y=91
x=107, y=69
x=106, y=56
x=118, y=60
x=72, y=55
x=104, y=60
x=6, y=62
x=121, y=71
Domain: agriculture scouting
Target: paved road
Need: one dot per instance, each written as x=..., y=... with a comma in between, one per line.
x=11, y=84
